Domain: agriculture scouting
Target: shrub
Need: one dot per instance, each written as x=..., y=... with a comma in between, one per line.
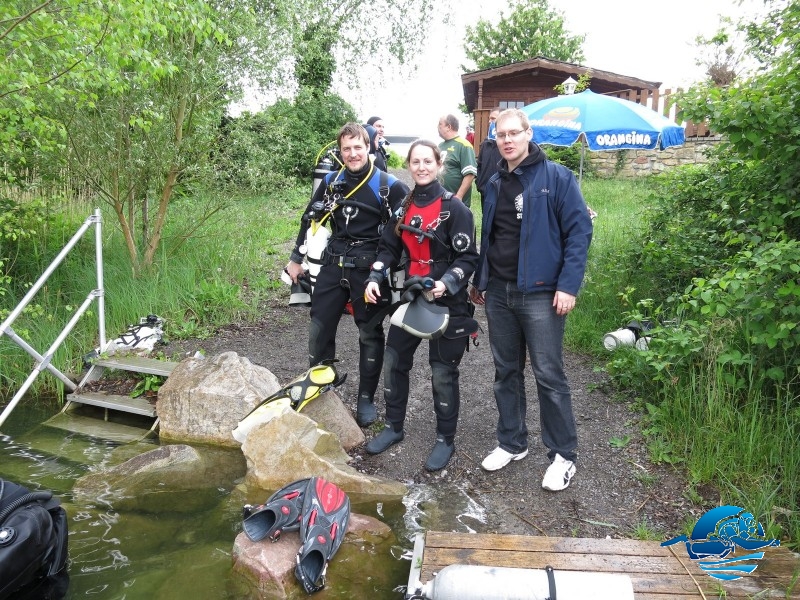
x=276, y=147
x=570, y=157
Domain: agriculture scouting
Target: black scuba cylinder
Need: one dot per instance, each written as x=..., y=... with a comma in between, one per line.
x=324, y=166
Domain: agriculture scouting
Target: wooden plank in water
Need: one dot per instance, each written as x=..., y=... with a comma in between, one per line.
x=136, y=406
x=657, y=573
x=116, y=432
x=138, y=364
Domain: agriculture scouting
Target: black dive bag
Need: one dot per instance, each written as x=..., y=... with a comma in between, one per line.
x=33, y=544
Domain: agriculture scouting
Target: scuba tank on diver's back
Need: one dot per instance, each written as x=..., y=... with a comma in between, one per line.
x=317, y=234
x=327, y=160
x=316, y=242
x=323, y=167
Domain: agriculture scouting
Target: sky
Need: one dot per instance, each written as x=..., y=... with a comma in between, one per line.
x=627, y=37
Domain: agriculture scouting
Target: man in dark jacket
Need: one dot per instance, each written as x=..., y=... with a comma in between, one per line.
x=488, y=157
x=534, y=245
x=356, y=203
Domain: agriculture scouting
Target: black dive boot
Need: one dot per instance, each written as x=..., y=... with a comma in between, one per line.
x=385, y=439
x=366, y=411
x=440, y=455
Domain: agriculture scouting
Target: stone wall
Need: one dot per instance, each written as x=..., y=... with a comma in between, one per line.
x=635, y=163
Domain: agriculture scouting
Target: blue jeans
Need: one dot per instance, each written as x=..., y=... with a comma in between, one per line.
x=519, y=321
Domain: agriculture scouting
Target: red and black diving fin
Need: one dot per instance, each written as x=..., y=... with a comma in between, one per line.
x=326, y=512
x=281, y=512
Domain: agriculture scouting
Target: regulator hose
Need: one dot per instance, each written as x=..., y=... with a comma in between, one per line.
x=22, y=500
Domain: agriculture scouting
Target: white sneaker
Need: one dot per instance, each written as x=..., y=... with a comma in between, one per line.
x=558, y=474
x=499, y=458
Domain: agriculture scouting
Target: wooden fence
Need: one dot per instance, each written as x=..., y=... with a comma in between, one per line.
x=659, y=101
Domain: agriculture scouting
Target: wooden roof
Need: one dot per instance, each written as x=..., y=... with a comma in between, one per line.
x=548, y=72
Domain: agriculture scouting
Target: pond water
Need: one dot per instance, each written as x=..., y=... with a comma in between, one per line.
x=183, y=549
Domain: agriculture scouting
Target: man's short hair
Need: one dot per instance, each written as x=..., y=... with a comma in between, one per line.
x=353, y=130
x=451, y=121
x=514, y=112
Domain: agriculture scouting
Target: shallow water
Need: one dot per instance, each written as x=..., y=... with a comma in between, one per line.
x=182, y=550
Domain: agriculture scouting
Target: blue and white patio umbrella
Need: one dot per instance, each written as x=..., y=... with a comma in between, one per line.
x=605, y=123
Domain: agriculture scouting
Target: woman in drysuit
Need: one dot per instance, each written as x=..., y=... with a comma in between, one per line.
x=437, y=233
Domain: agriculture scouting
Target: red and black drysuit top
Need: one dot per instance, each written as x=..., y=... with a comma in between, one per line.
x=448, y=254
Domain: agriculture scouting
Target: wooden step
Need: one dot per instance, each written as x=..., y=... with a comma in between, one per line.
x=77, y=449
x=137, y=406
x=138, y=364
x=97, y=428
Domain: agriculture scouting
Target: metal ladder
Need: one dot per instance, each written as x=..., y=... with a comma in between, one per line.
x=137, y=406
x=107, y=401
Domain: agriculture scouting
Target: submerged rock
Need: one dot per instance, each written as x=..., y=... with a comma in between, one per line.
x=169, y=478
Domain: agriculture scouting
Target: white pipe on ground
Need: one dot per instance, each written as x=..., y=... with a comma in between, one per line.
x=473, y=582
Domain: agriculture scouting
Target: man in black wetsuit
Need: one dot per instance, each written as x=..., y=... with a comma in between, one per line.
x=356, y=202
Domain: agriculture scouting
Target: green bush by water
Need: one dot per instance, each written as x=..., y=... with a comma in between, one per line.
x=720, y=379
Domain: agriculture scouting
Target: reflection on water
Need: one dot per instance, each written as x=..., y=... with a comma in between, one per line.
x=428, y=507
x=127, y=550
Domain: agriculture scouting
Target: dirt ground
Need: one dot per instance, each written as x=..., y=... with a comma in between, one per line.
x=616, y=492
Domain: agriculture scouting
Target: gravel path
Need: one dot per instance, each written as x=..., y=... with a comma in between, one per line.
x=616, y=492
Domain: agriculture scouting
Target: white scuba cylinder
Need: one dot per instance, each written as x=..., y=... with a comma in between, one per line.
x=474, y=582
x=316, y=242
x=620, y=337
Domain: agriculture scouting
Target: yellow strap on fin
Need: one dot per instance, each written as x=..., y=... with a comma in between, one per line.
x=301, y=390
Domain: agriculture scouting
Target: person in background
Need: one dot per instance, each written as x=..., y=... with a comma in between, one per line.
x=458, y=158
x=535, y=240
x=446, y=252
x=470, y=137
x=380, y=140
x=488, y=157
x=375, y=151
x=356, y=202
x=377, y=123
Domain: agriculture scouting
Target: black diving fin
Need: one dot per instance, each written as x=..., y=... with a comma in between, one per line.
x=281, y=512
x=325, y=515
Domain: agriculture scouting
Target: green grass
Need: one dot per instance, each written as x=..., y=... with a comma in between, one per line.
x=602, y=301
x=645, y=532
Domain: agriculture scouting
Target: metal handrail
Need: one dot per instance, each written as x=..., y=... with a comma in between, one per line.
x=43, y=362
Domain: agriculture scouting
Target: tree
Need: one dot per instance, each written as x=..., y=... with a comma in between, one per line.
x=315, y=62
x=128, y=94
x=759, y=119
x=532, y=29
x=722, y=53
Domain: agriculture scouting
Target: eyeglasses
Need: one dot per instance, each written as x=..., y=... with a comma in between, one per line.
x=508, y=135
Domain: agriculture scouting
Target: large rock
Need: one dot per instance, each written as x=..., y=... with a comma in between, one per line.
x=292, y=446
x=266, y=570
x=169, y=478
x=332, y=415
x=204, y=398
